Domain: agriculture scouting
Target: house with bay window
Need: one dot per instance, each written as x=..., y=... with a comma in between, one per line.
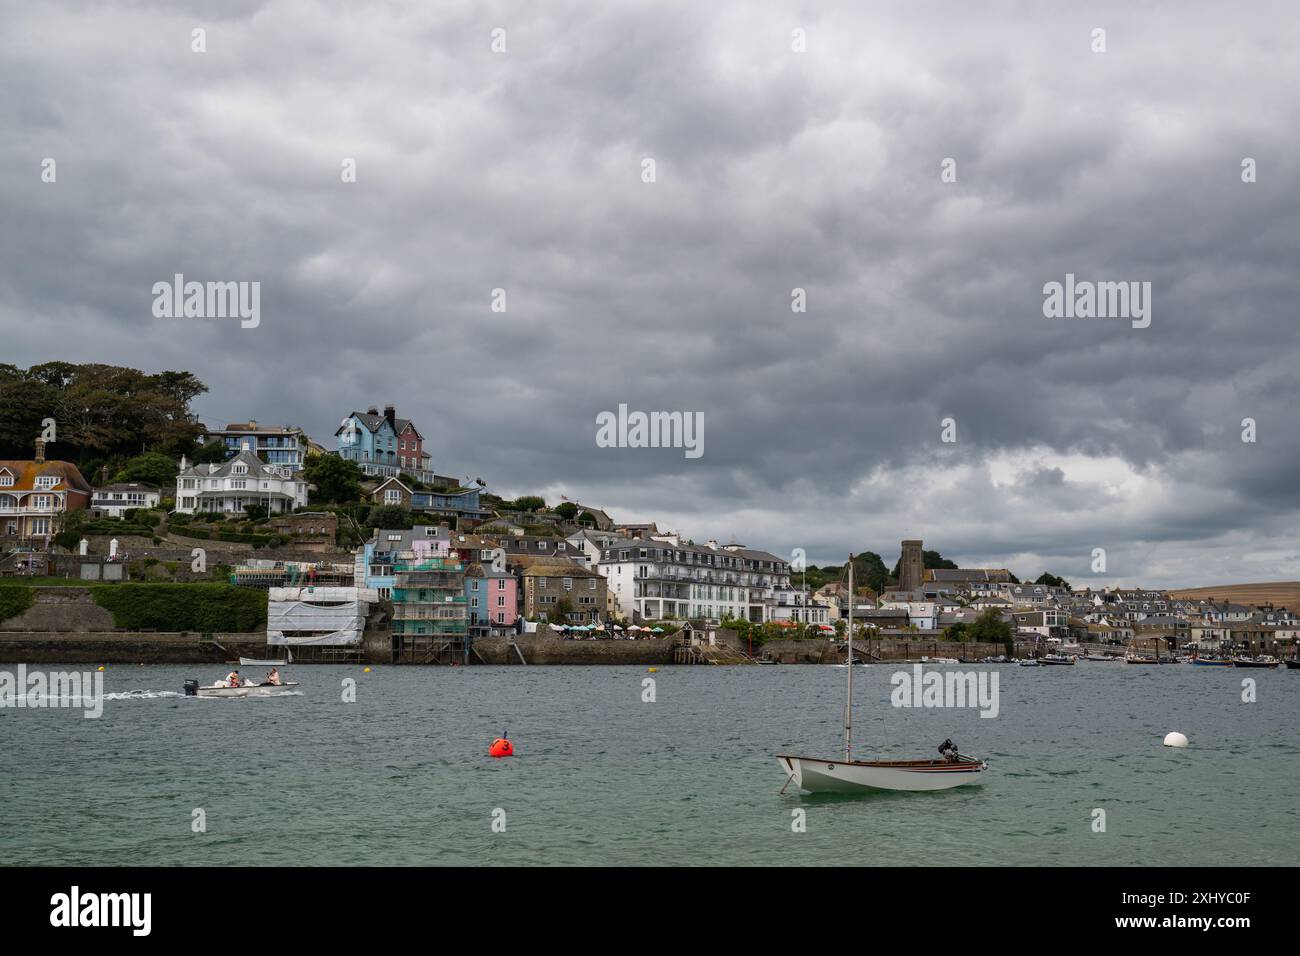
x=35, y=494
x=384, y=446
x=241, y=482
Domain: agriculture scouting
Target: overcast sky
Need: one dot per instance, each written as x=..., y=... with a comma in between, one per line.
x=774, y=170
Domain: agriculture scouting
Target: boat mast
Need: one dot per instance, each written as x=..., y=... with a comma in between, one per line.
x=848, y=701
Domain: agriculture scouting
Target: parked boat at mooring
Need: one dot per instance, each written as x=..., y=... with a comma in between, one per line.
x=828, y=775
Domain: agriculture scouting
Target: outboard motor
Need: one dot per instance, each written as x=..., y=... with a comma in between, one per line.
x=948, y=750
x=191, y=688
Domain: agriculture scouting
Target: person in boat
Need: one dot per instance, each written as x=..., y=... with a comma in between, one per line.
x=948, y=750
x=273, y=677
x=233, y=679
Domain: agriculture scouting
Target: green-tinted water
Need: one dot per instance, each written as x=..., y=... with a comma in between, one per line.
x=401, y=776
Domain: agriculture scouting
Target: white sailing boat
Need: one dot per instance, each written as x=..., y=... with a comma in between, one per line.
x=828, y=775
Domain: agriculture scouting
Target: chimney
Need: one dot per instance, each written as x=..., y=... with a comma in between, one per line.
x=40, y=450
x=390, y=412
x=184, y=465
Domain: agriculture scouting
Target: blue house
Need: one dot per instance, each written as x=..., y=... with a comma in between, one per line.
x=458, y=503
x=370, y=439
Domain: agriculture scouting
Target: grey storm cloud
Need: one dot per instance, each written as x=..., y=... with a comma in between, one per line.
x=775, y=170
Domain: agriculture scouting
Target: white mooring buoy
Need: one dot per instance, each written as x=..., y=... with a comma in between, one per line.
x=1175, y=739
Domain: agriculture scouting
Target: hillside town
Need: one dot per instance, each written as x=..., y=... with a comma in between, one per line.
x=441, y=561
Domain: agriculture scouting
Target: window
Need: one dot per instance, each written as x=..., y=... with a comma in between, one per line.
x=6, y=481
x=501, y=600
x=47, y=481
x=568, y=584
x=392, y=497
x=473, y=584
x=591, y=584
x=541, y=583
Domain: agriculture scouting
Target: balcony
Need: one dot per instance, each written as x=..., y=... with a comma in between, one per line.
x=447, y=580
x=449, y=614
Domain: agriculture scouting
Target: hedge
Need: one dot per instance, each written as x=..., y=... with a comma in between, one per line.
x=15, y=599
x=206, y=608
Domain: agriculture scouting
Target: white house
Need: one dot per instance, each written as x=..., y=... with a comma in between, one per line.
x=233, y=485
x=665, y=576
x=113, y=501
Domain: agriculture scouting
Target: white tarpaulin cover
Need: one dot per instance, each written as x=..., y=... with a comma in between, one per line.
x=317, y=616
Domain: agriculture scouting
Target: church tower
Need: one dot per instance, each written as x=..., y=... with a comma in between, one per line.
x=911, y=568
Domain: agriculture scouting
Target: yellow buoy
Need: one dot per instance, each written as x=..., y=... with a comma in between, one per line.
x=101, y=667
x=654, y=670
x=366, y=671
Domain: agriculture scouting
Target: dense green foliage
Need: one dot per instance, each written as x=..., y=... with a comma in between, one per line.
x=991, y=628
x=1052, y=581
x=392, y=517
x=103, y=414
x=14, y=600
x=206, y=608
x=566, y=510
x=333, y=480
x=151, y=468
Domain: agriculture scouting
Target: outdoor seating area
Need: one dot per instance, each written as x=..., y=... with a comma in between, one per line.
x=599, y=632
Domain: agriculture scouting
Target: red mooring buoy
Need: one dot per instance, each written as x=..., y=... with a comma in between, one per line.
x=501, y=747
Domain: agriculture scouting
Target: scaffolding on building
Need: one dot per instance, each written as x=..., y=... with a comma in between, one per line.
x=430, y=622
x=265, y=575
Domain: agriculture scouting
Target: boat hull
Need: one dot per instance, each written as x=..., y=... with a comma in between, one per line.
x=254, y=690
x=820, y=775
x=1199, y=662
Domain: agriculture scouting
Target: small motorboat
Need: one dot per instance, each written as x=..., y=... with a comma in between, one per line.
x=1270, y=662
x=1292, y=664
x=1056, y=659
x=939, y=660
x=223, y=689
x=259, y=662
x=1028, y=662
x=1212, y=662
x=1102, y=657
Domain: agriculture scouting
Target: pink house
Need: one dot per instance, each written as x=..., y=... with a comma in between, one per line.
x=493, y=596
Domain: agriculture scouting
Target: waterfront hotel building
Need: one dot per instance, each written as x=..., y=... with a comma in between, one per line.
x=662, y=576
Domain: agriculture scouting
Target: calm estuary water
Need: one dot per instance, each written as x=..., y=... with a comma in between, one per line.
x=402, y=776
